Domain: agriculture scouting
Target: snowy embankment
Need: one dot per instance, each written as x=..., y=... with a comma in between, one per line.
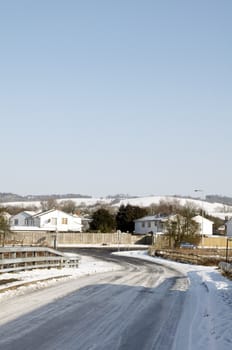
x=207, y=315
x=25, y=281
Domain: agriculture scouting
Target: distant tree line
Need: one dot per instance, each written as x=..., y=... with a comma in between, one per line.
x=214, y=198
x=12, y=197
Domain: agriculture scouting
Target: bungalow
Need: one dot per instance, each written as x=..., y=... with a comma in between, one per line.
x=50, y=220
x=20, y=219
x=155, y=224
x=205, y=225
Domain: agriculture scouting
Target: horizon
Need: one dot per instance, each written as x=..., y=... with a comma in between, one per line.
x=120, y=195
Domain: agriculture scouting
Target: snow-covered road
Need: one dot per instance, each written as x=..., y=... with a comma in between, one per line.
x=206, y=321
x=132, y=305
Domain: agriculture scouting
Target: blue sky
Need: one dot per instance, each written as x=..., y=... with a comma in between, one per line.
x=104, y=97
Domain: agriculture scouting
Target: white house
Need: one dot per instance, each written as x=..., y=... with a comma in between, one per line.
x=20, y=218
x=205, y=225
x=152, y=224
x=50, y=220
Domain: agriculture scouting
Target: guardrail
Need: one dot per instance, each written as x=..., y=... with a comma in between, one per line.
x=28, y=258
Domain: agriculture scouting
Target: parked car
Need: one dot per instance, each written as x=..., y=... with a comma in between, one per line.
x=187, y=245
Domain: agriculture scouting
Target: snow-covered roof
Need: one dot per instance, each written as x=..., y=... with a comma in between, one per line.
x=153, y=218
x=199, y=217
x=54, y=210
x=44, y=212
x=30, y=212
x=25, y=213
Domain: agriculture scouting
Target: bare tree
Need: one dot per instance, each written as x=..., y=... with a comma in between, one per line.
x=182, y=229
x=68, y=206
x=51, y=203
x=4, y=228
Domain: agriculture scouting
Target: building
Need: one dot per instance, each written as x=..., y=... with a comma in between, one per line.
x=205, y=225
x=50, y=220
x=20, y=219
x=155, y=224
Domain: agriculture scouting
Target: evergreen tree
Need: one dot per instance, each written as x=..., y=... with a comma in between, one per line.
x=126, y=216
x=103, y=221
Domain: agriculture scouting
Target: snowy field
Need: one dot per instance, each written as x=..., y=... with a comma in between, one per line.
x=206, y=319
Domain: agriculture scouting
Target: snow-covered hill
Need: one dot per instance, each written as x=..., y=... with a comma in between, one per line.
x=214, y=209
x=79, y=201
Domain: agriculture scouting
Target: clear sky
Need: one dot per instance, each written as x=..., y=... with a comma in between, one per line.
x=130, y=96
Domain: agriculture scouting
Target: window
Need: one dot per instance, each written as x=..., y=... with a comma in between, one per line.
x=64, y=221
x=143, y=224
x=16, y=222
x=149, y=224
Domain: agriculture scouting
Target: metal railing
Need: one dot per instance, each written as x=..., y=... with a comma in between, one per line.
x=28, y=258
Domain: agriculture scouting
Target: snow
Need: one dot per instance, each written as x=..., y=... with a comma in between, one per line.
x=214, y=209
x=207, y=313
x=41, y=278
x=77, y=201
x=207, y=317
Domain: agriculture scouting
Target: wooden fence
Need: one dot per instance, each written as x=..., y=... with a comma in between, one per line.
x=210, y=242
x=43, y=238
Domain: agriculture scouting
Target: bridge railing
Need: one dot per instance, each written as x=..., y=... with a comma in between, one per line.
x=28, y=258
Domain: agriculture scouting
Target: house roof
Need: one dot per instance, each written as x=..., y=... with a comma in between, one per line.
x=202, y=218
x=53, y=210
x=153, y=218
x=26, y=213
x=30, y=212
x=44, y=212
